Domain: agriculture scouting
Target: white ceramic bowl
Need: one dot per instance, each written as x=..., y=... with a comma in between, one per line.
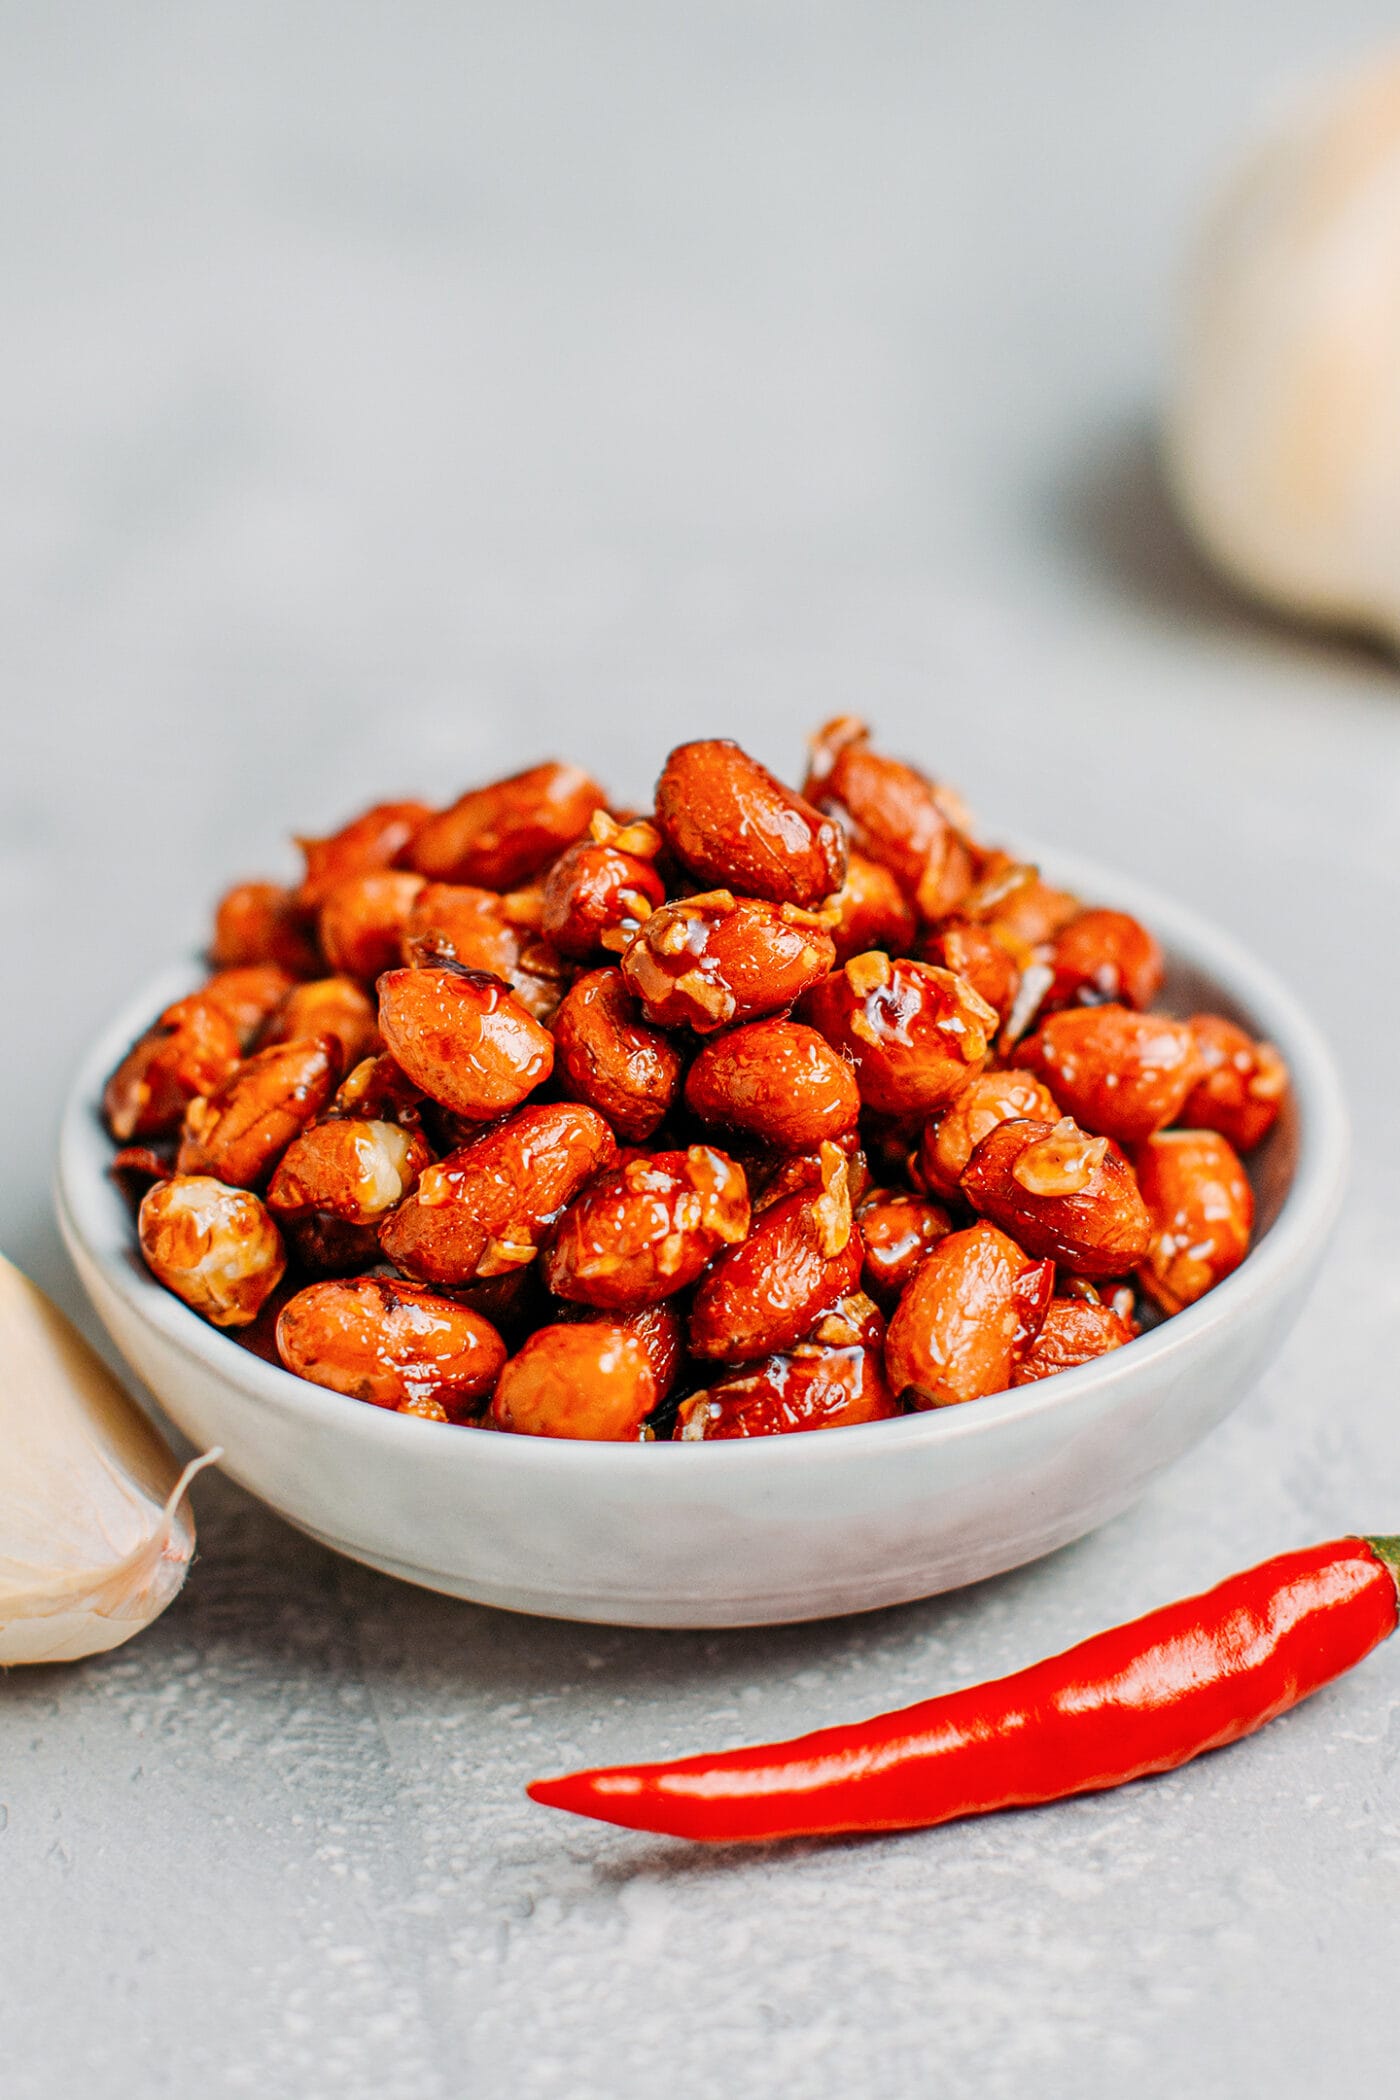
x=744, y=1533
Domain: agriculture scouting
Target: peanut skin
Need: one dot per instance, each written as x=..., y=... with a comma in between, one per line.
x=1063, y=1196
x=1118, y=1073
x=590, y=1379
x=378, y=838
x=763, y=1297
x=1201, y=1208
x=487, y=1207
x=1242, y=1084
x=464, y=1039
x=955, y=1331
x=777, y=1080
x=239, y=1133
x=609, y=1057
x=892, y=814
x=953, y=1135
x=645, y=1231
x=733, y=825
x=1073, y=1332
x=915, y=1034
x=712, y=961
x=392, y=1344
x=897, y=1230
x=499, y=836
x=813, y=1388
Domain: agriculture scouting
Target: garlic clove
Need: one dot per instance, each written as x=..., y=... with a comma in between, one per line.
x=1283, y=430
x=94, y=1542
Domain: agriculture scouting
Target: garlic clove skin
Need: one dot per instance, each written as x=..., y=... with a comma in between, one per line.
x=94, y=1541
x=1283, y=429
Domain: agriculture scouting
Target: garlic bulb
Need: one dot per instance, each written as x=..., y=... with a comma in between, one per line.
x=1284, y=431
x=93, y=1544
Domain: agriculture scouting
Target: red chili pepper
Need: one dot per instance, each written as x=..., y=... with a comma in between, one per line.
x=1142, y=1698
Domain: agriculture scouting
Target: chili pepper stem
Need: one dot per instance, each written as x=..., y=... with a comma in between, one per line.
x=1386, y=1548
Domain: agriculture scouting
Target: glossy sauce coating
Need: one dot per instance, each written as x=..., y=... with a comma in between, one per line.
x=646, y=1230
x=499, y=836
x=733, y=825
x=892, y=813
x=592, y=1379
x=1065, y=1196
x=975, y=954
x=952, y=1136
x=1242, y=1084
x=377, y=838
x=897, y=1230
x=464, y=1039
x=214, y=1246
x=192, y=1050
x=392, y=1344
x=354, y=1167
x=816, y=1387
x=261, y=922
x=487, y=1207
x=1101, y=956
x=872, y=911
x=712, y=961
x=915, y=1034
x=956, y=1330
x=609, y=1057
x=1201, y=1209
x=1118, y=1073
x=1074, y=1331
x=764, y=1296
x=239, y=1132
x=362, y=920
x=777, y=1080
x=596, y=896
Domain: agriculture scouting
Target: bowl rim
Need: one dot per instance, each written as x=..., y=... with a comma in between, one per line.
x=96, y=1223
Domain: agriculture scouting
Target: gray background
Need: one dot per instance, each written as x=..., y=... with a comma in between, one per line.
x=393, y=393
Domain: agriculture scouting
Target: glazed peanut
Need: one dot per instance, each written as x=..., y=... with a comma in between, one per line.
x=393, y=1344
x=455, y=923
x=191, y=1050
x=1202, y=1213
x=1064, y=1195
x=1103, y=955
x=957, y=1329
x=892, y=815
x=897, y=1231
x=952, y=1136
x=260, y=922
x=813, y=1388
x=213, y=1246
x=734, y=826
x=334, y=1006
x=497, y=837
x=589, y=1378
x=1118, y=1073
x=238, y=1133
x=1242, y=1086
x=976, y=955
x=610, y=1058
x=872, y=911
x=378, y=838
x=763, y=1297
x=646, y=1230
x=362, y=921
x=915, y=1034
x=464, y=1039
x=777, y=1080
x=597, y=896
x=487, y=1207
x=1074, y=1331
x=353, y=1167
x=250, y=995
x=1014, y=903
x=712, y=961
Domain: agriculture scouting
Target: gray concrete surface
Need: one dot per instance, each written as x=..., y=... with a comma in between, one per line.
x=390, y=393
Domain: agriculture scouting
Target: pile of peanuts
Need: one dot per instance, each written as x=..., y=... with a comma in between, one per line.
x=761, y=1112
